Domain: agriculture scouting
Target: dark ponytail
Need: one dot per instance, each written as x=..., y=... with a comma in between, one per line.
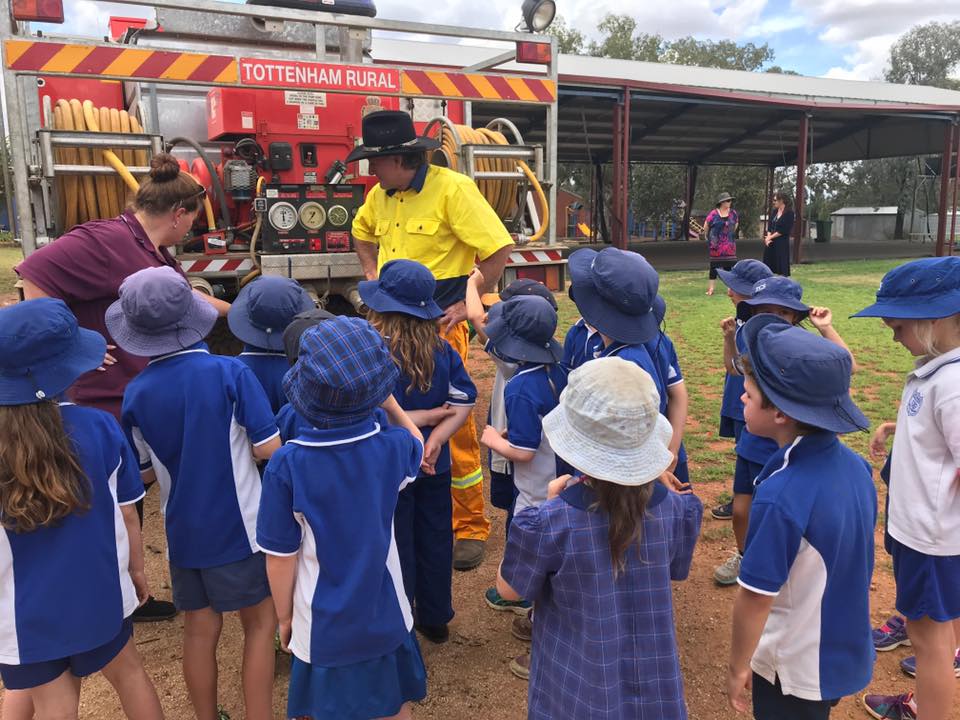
x=625, y=507
x=167, y=188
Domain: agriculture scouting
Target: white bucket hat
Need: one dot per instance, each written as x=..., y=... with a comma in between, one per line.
x=608, y=423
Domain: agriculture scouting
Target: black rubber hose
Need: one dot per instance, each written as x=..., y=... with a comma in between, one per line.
x=214, y=178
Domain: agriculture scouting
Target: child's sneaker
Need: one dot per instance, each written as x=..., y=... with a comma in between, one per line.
x=495, y=601
x=909, y=665
x=522, y=628
x=890, y=707
x=892, y=634
x=723, y=512
x=728, y=573
x=520, y=666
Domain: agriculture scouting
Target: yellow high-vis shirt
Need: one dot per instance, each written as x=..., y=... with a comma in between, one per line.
x=441, y=221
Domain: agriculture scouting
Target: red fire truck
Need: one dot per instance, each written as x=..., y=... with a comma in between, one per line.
x=262, y=103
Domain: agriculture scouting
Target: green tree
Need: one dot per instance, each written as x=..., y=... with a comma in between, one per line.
x=570, y=41
x=724, y=54
x=926, y=55
x=621, y=41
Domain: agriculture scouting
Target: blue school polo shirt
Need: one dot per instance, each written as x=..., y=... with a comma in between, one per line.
x=810, y=546
x=731, y=406
x=269, y=367
x=450, y=385
x=292, y=424
x=664, y=354
x=752, y=447
x=532, y=392
x=67, y=587
x=639, y=355
x=579, y=345
x=193, y=417
x=329, y=498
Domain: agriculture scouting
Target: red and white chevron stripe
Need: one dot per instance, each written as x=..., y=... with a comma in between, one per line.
x=536, y=257
x=222, y=265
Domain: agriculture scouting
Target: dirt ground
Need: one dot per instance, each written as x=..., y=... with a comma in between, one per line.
x=468, y=676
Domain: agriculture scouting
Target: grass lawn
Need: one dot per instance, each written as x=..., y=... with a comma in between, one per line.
x=693, y=321
x=9, y=256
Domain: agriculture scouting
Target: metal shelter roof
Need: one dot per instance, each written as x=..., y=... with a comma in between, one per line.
x=705, y=116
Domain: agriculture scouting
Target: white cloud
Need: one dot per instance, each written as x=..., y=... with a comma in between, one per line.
x=864, y=27
x=89, y=18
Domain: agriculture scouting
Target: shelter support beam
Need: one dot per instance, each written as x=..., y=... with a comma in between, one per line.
x=953, y=204
x=948, y=136
x=616, y=196
x=691, y=192
x=802, y=157
x=625, y=173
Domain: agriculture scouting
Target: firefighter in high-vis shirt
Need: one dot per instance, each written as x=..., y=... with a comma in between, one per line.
x=439, y=218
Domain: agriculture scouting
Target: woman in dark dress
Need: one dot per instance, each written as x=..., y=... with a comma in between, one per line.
x=776, y=253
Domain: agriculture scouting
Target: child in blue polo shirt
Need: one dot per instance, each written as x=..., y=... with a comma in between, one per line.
x=326, y=523
x=920, y=302
x=739, y=280
x=258, y=317
x=438, y=395
x=599, y=555
x=71, y=558
x=801, y=620
x=782, y=297
x=675, y=402
x=199, y=421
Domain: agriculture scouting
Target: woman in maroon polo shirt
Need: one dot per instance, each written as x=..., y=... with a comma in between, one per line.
x=86, y=265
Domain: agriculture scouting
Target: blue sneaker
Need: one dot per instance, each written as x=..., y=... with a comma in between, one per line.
x=909, y=665
x=890, y=707
x=892, y=634
x=495, y=601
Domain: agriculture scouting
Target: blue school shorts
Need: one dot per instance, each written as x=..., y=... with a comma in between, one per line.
x=223, y=588
x=31, y=675
x=744, y=473
x=770, y=703
x=502, y=490
x=927, y=585
x=372, y=688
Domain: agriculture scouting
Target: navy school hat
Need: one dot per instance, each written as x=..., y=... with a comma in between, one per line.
x=804, y=375
x=404, y=286
x=659, y=309
x=614, y=291
x=744, y=275
x=775, y=290
x=300, y=323
x=522, y=329
x=343, y=373
x=520, y=286
x=43, y=351
x=264, y=308
x=919, y=290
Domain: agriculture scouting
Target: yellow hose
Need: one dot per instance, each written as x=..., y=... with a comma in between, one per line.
x=253, y=274
x=90, y=198
x=501, y=194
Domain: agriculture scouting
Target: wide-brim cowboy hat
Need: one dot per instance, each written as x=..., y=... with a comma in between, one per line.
x=390, y=132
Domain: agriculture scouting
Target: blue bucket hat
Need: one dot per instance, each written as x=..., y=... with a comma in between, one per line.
x=775, y=290
x=744, y=275
x=522, y=329
x=300, y=324
x=158, y=313
x=803, y=375
x=405, y=286
x=343, y=374
x=659, y=309
x=43, y=351
x=614, y=291
x=264, y=308
x=521, y=286
x=924, y=289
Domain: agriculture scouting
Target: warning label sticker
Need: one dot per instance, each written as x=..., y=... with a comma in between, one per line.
x=305, y=97
x=308, y=122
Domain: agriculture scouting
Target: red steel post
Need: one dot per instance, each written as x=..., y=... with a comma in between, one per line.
x=802, y=143
x=948, y=134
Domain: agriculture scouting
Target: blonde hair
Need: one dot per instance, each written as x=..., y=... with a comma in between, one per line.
x=413, y=342
x=924, y=331
x=41, y=480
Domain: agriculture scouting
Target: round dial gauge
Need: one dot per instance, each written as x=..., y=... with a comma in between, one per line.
x=312, y=215
x=338, y=215
x=283, y=216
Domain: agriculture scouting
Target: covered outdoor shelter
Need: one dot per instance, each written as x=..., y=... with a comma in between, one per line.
x=621, y=112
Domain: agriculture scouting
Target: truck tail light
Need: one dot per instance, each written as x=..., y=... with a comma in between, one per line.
x=50, y=11
x=535, y=53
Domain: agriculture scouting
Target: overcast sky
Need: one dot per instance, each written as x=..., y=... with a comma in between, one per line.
x=834, y=38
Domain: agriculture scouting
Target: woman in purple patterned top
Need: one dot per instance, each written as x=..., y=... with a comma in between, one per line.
x=721, y=226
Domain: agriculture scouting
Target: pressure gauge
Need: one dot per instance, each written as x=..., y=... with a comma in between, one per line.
x=283, y=216
x=312, y=215
x=338, y=215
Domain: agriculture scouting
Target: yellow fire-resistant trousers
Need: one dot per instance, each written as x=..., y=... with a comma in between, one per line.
x=469, y=521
